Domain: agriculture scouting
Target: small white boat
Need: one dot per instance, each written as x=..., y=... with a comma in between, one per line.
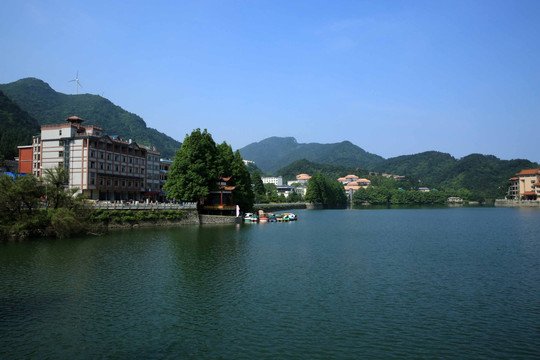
x=250, y=217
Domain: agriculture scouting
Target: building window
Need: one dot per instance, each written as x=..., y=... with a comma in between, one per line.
x=109, y=167
x=60, y=154
x=116, y=157
x=61, y=142
x=92, y=153
x=60, y=132
x=92, y=179
x=60, y=164
x=115, y=167
x=101, y=154
x=101, y=166
x=108, y=156
x=92, y=165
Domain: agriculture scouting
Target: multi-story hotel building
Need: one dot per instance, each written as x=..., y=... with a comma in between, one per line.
x=525, y=185
x=99, y=166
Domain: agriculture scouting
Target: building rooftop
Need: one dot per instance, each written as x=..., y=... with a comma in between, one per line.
x=529, y=172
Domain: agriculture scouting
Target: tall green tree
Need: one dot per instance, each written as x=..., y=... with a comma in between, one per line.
x=326, y=191
x=243, y=194
x=224, y=160
x=193, y=173
x=258, y=186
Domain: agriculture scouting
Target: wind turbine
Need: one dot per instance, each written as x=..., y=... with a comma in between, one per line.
x=76, y=82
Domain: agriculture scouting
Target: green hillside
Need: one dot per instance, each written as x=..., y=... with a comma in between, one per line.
x=485, y=175
x=51, y=107
x=16, y=128
x=273, y=153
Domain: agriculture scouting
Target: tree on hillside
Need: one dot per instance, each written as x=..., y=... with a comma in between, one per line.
x=16, y=127
x=193, y=174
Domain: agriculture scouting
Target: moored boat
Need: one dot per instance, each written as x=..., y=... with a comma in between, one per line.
x=289, y=217
x=249, y=217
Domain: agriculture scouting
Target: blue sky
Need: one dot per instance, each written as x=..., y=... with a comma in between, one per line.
x=393, y=77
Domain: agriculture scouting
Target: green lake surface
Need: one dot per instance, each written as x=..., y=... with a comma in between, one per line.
x=441, y=283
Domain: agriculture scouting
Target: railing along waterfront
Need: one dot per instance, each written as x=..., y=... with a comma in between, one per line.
x=515, y=202
x=144, y=206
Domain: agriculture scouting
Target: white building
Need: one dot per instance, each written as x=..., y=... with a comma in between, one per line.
x=278, y=181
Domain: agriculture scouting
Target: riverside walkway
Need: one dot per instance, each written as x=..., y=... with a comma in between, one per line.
x=516, y=203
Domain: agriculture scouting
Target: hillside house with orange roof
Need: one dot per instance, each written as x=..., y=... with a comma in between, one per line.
x=525, y=185
x=302, y=178
x=348, y=179
x=353, y=183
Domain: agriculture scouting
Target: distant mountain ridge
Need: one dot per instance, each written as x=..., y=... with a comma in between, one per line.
x=486, y=175
x=51, y=107
x=274, y=153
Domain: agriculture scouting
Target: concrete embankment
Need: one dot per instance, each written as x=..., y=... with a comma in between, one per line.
x=191, y=218
x=517, y=203
x=218, y=219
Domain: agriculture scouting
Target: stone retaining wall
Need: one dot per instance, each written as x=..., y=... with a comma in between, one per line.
x=192, y=218
x=218, y=219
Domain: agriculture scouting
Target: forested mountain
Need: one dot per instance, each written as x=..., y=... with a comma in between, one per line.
x=50, y=107
x=486, y=175
x=16, y=128
x=273, y=153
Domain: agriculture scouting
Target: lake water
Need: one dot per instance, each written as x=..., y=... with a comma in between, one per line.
x=445, y=283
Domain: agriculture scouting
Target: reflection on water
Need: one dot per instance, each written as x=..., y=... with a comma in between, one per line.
x=341, y=284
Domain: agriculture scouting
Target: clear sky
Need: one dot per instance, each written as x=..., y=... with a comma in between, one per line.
x=393, y=77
